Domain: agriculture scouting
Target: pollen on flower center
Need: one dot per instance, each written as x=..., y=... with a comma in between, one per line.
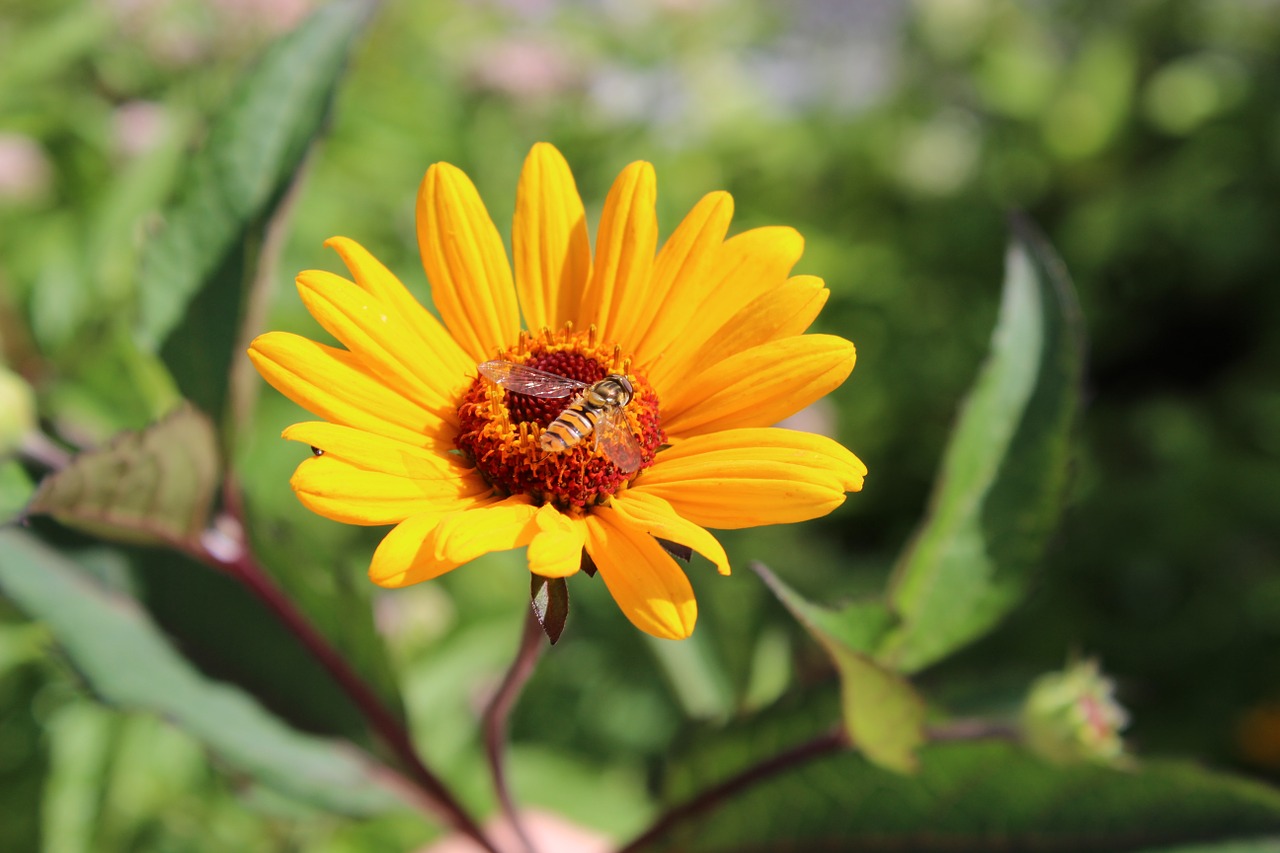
x=501, y=429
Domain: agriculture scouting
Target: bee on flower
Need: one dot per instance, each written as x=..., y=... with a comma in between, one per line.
x=595, y=412
x=571, y=401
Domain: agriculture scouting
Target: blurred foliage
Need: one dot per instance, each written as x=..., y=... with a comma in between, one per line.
x=895, y=136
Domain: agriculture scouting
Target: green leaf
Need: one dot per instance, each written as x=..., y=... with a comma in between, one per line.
x=1256, y=845
x=49, y=48
x=998, y=494
x=25, y=751
x=195, y=606
x=129, y=663
x=321, y=565
x=550, y=601
x=881, y=712
x=974, y=796
x=191, y=288
x=154, y=486
x=16, y=490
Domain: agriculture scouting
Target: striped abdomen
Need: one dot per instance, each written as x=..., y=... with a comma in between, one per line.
x=579, y=419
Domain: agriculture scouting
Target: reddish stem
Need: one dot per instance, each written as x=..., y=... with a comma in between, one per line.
x=240, y=564
x=963, y=729
x=495, y=720
x=973, y=728
x=707, y=800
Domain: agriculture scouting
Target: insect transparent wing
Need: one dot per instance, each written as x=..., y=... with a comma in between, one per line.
x=529, y=380
x=615, y=440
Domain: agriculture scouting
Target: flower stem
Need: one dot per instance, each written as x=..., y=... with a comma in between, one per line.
x=707, y=800
x=495, y=721
x=225, y=549
x=44, y=451
x=973, y=728
x=963, y=729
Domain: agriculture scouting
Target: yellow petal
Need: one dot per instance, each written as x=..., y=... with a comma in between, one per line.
x=759, y=386
x=340, y=490
x=556, y=549
x=369, y=273
x=399, y=561
x=337, y=386
x=783, y=312
x=648, y=586
x=751, y=477
x=655, y=516
x=423, y=548
x=549, y=240
x=745, y=266
x=502, y=526
x=805, y=450
x=426, y=546
x=379, y=453
x=679, y=272
x=466, y=264
x=381, y=339
x=625, y=243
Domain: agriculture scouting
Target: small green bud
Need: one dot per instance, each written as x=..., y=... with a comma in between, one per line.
x=17, y=411
x=1073, y=715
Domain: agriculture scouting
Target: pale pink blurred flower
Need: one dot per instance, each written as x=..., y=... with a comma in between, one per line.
x=25, y=173
x=138, y=127
x=528, y=8
x=684, y=6
x=191, y=31
x=523, y=68
x=548, y=832
x=267, y=16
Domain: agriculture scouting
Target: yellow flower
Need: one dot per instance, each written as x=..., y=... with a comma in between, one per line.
x=707, y=331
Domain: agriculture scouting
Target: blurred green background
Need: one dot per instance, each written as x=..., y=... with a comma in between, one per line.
x=896, y=136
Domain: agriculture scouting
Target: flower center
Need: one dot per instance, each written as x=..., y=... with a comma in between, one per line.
x=580, y=462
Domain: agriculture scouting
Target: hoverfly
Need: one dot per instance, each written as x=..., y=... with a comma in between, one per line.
x=596, y=410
